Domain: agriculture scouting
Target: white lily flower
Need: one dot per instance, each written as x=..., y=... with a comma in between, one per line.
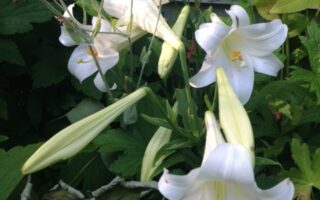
x=144, y=15
x=226, y=173
x=105, y=47
x=240, y=49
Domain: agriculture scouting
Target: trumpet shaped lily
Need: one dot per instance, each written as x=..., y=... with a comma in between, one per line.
x=100, y=49
x=226, y=173
x=144, y=14
x=240, y=49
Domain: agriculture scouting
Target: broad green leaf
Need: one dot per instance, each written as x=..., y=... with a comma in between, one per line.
x=18, y=16
x=307, y=173
x=290, y=6
x=131, y=145
x=301, y=156
x=52, y=69
x=86, y=169
x=296, y=23
x=9, y=52
x=85, y=108
x=10, y=165
x=263, y=8
x=312, y=44
x=312, y=78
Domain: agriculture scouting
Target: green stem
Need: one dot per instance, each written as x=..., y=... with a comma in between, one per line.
x=110, y=96
x=184, y=68
x=214, y=97
x=287, y=56
x=173, y=125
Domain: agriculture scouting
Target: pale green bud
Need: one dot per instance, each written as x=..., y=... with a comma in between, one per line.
x=233, y=117
x=149, y=164
x=75, y=137
x=168, y=53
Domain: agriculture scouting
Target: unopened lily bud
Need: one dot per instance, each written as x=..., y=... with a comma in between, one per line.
x=213, y=137
x=168, y=53
x=149, y=164
x=233, y=117
x=75, y=137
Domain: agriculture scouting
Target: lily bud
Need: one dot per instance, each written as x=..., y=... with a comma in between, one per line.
x=75, y=137
x=213, y=137
x=233, y=117
x=149, y=164
x=168, y=53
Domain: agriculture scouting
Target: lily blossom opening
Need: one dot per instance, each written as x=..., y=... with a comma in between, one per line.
x=144, y=14
x=226, y=173
x=240, y=49
x=103, y=47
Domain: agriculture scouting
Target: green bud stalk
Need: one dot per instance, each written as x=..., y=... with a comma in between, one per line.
x=75, y=137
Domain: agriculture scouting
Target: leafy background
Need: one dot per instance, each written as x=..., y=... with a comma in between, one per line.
x=38, y=97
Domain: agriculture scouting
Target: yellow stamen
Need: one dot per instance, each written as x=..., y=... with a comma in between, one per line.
x=92, y=53
x=219, y=191
x=236, y=56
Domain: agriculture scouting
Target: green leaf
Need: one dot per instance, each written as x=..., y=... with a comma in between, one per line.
x=261, y=161
x=131, y=145
x=52, y=69
x=9, y=52
x=157, y=121
x=312, y=44
x=307, y=175
x=17, y=17
x=85, y=108
x=10, y=165
x=296, y=23
x=263, y=7
x=290, y=6
x=301, y=156
x=312, y=78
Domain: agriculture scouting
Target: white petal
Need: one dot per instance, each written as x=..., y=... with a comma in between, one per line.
x=65, y=38
x=207, y=73
x=239, y=16
x=228, y=163
x=69, y=11
x=283, y=191
x=214, y=136
x=260, y=39
x=269, y=64
x=241, y=80
x=107, y=58
x=99, y=83
x=116, y=8
x=105, y=25
x=145, y=16
x=81, y=70
x=210, y=35
x=174, y=187
x=161, y=2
